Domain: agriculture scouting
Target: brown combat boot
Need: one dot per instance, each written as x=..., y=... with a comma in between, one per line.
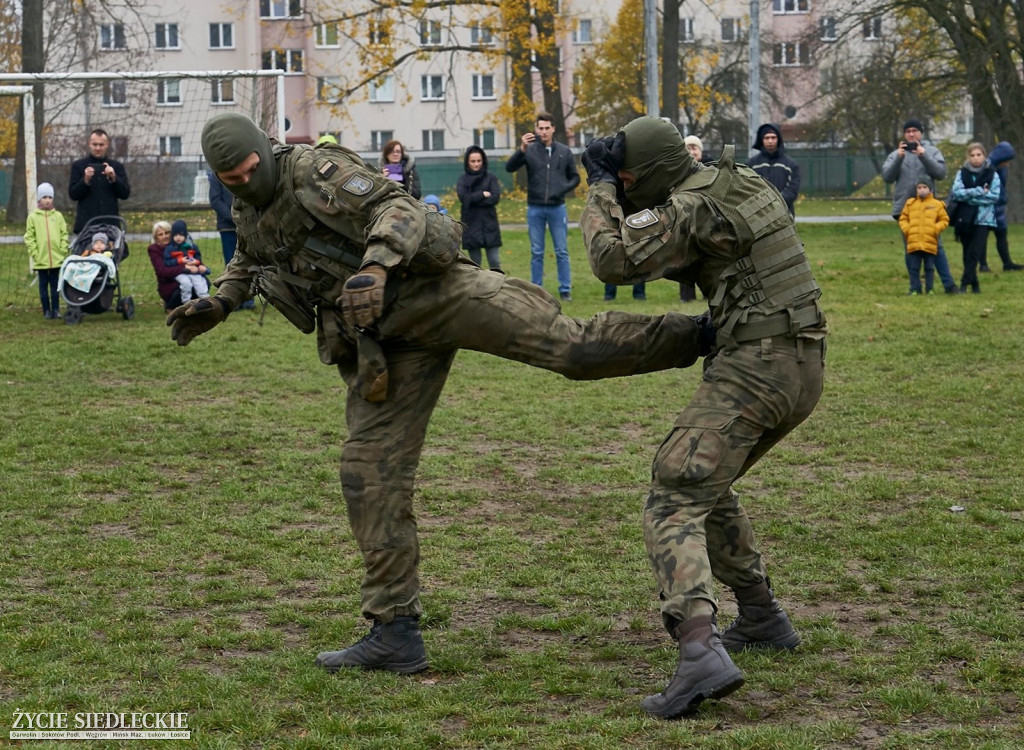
x=705, y=671
x=761, y=623
x=396, y=646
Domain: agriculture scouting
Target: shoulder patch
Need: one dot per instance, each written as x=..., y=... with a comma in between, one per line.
x=642, y=219
x=357, y=185
x=327, y=169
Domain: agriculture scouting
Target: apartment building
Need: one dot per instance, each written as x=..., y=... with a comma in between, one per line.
x=446, y=93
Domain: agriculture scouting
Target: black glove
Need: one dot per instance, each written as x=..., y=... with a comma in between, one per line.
x=603, y=158
x=195, y=317
x=706, y=331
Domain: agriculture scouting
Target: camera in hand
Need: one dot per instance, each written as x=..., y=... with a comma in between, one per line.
x=912, y=146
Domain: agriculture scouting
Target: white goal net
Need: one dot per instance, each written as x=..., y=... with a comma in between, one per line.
x=154, y=120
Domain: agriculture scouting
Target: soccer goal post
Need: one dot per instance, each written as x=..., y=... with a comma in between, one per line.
x=154, y=120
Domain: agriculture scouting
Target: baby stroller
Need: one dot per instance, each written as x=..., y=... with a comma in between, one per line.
x=88, y=282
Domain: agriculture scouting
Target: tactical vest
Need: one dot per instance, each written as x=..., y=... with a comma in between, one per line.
x=771, y=291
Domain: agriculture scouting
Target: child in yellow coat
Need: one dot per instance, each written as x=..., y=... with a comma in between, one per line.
x=46, y=238
x=922, y=220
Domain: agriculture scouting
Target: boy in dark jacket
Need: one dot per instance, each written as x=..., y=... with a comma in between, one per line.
x=774, y=165
x=1000, y=156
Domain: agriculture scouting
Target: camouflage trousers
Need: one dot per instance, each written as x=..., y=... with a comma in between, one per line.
x=421, y=332
x=695, y=528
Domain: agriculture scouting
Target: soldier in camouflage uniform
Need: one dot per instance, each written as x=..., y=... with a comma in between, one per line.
x=652, y=212
x=341, y=250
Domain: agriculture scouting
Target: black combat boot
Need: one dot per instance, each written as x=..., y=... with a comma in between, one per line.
x=761, y=623
x=396, y=646
x=705, y=671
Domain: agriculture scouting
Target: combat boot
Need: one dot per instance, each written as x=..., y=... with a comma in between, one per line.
x=761, y=623
x=705, y=671
x=396, y=646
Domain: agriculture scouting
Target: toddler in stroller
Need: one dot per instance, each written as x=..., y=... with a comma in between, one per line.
x=89, y=281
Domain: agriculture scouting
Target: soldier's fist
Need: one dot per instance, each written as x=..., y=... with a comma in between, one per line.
x=195, y=317
x=362, y=297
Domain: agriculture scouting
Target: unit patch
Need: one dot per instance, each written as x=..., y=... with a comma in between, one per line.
x=642, y=219
x=357, y=185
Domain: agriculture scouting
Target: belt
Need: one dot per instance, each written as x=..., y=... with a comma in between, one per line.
x=784, y=322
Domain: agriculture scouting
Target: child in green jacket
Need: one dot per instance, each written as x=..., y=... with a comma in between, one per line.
x=46, y=237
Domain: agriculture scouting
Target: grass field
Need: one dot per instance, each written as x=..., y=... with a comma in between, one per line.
x=174, y=537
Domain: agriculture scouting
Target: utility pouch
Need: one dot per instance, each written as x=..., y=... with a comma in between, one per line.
x=281, y=295
x=440, y=246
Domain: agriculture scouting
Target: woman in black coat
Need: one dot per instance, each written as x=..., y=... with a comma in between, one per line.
x=480, y=191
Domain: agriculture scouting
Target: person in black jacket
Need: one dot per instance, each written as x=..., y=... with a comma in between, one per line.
x=97, y=182
x=550, y=175
x=479, y=191
x=773, y=164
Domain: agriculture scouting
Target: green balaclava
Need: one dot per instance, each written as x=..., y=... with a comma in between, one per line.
x=656, y=157
x=228, y=140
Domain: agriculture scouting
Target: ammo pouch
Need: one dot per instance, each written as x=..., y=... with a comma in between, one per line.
x=440, y=246
x=284, y=297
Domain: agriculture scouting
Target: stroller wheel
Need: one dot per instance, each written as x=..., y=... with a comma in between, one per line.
x=72, y=315
x=127, y=308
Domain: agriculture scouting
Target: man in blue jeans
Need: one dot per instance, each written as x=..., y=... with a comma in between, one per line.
x=913, y=159
x=550, y=175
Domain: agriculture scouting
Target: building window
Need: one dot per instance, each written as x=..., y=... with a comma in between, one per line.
x=379, y=31
x=791, y=6
x=167, y=36
x=326, y=35
x=328, y=89
x=872, y=28
x=433, y=140
x=829, y=80
x=379, y=137
x=789, y=54
x=288, y=60
x=965, y=125
x=280, y=8
x=169, y=145
x=114, y=94
x=484, y=138
x=222, y=36
x=222, y=91
x=828, y=29
x=112, y=36
x=582, y=34
x=686, y=30
x=431, y=88
x=383, y=89
x=430, y=33
x=480, y=35
x=483, y=86
x=730, y=29
x=168, y=92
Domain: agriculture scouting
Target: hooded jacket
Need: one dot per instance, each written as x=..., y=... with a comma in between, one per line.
x=1001, y=154
x=46, y=237
x=410, y=177
x=479, y=214
x=978, y=187
x=776, y=166
x=549, y=178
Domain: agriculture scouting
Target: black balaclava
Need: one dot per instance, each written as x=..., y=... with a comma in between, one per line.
x=228, y=140
x=656, y=157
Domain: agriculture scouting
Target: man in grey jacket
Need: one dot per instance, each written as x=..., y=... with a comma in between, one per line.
x=913, y=159
x=550, y=175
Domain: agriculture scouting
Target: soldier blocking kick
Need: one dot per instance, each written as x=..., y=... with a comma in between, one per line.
x=653, y=212
x=341, y=250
